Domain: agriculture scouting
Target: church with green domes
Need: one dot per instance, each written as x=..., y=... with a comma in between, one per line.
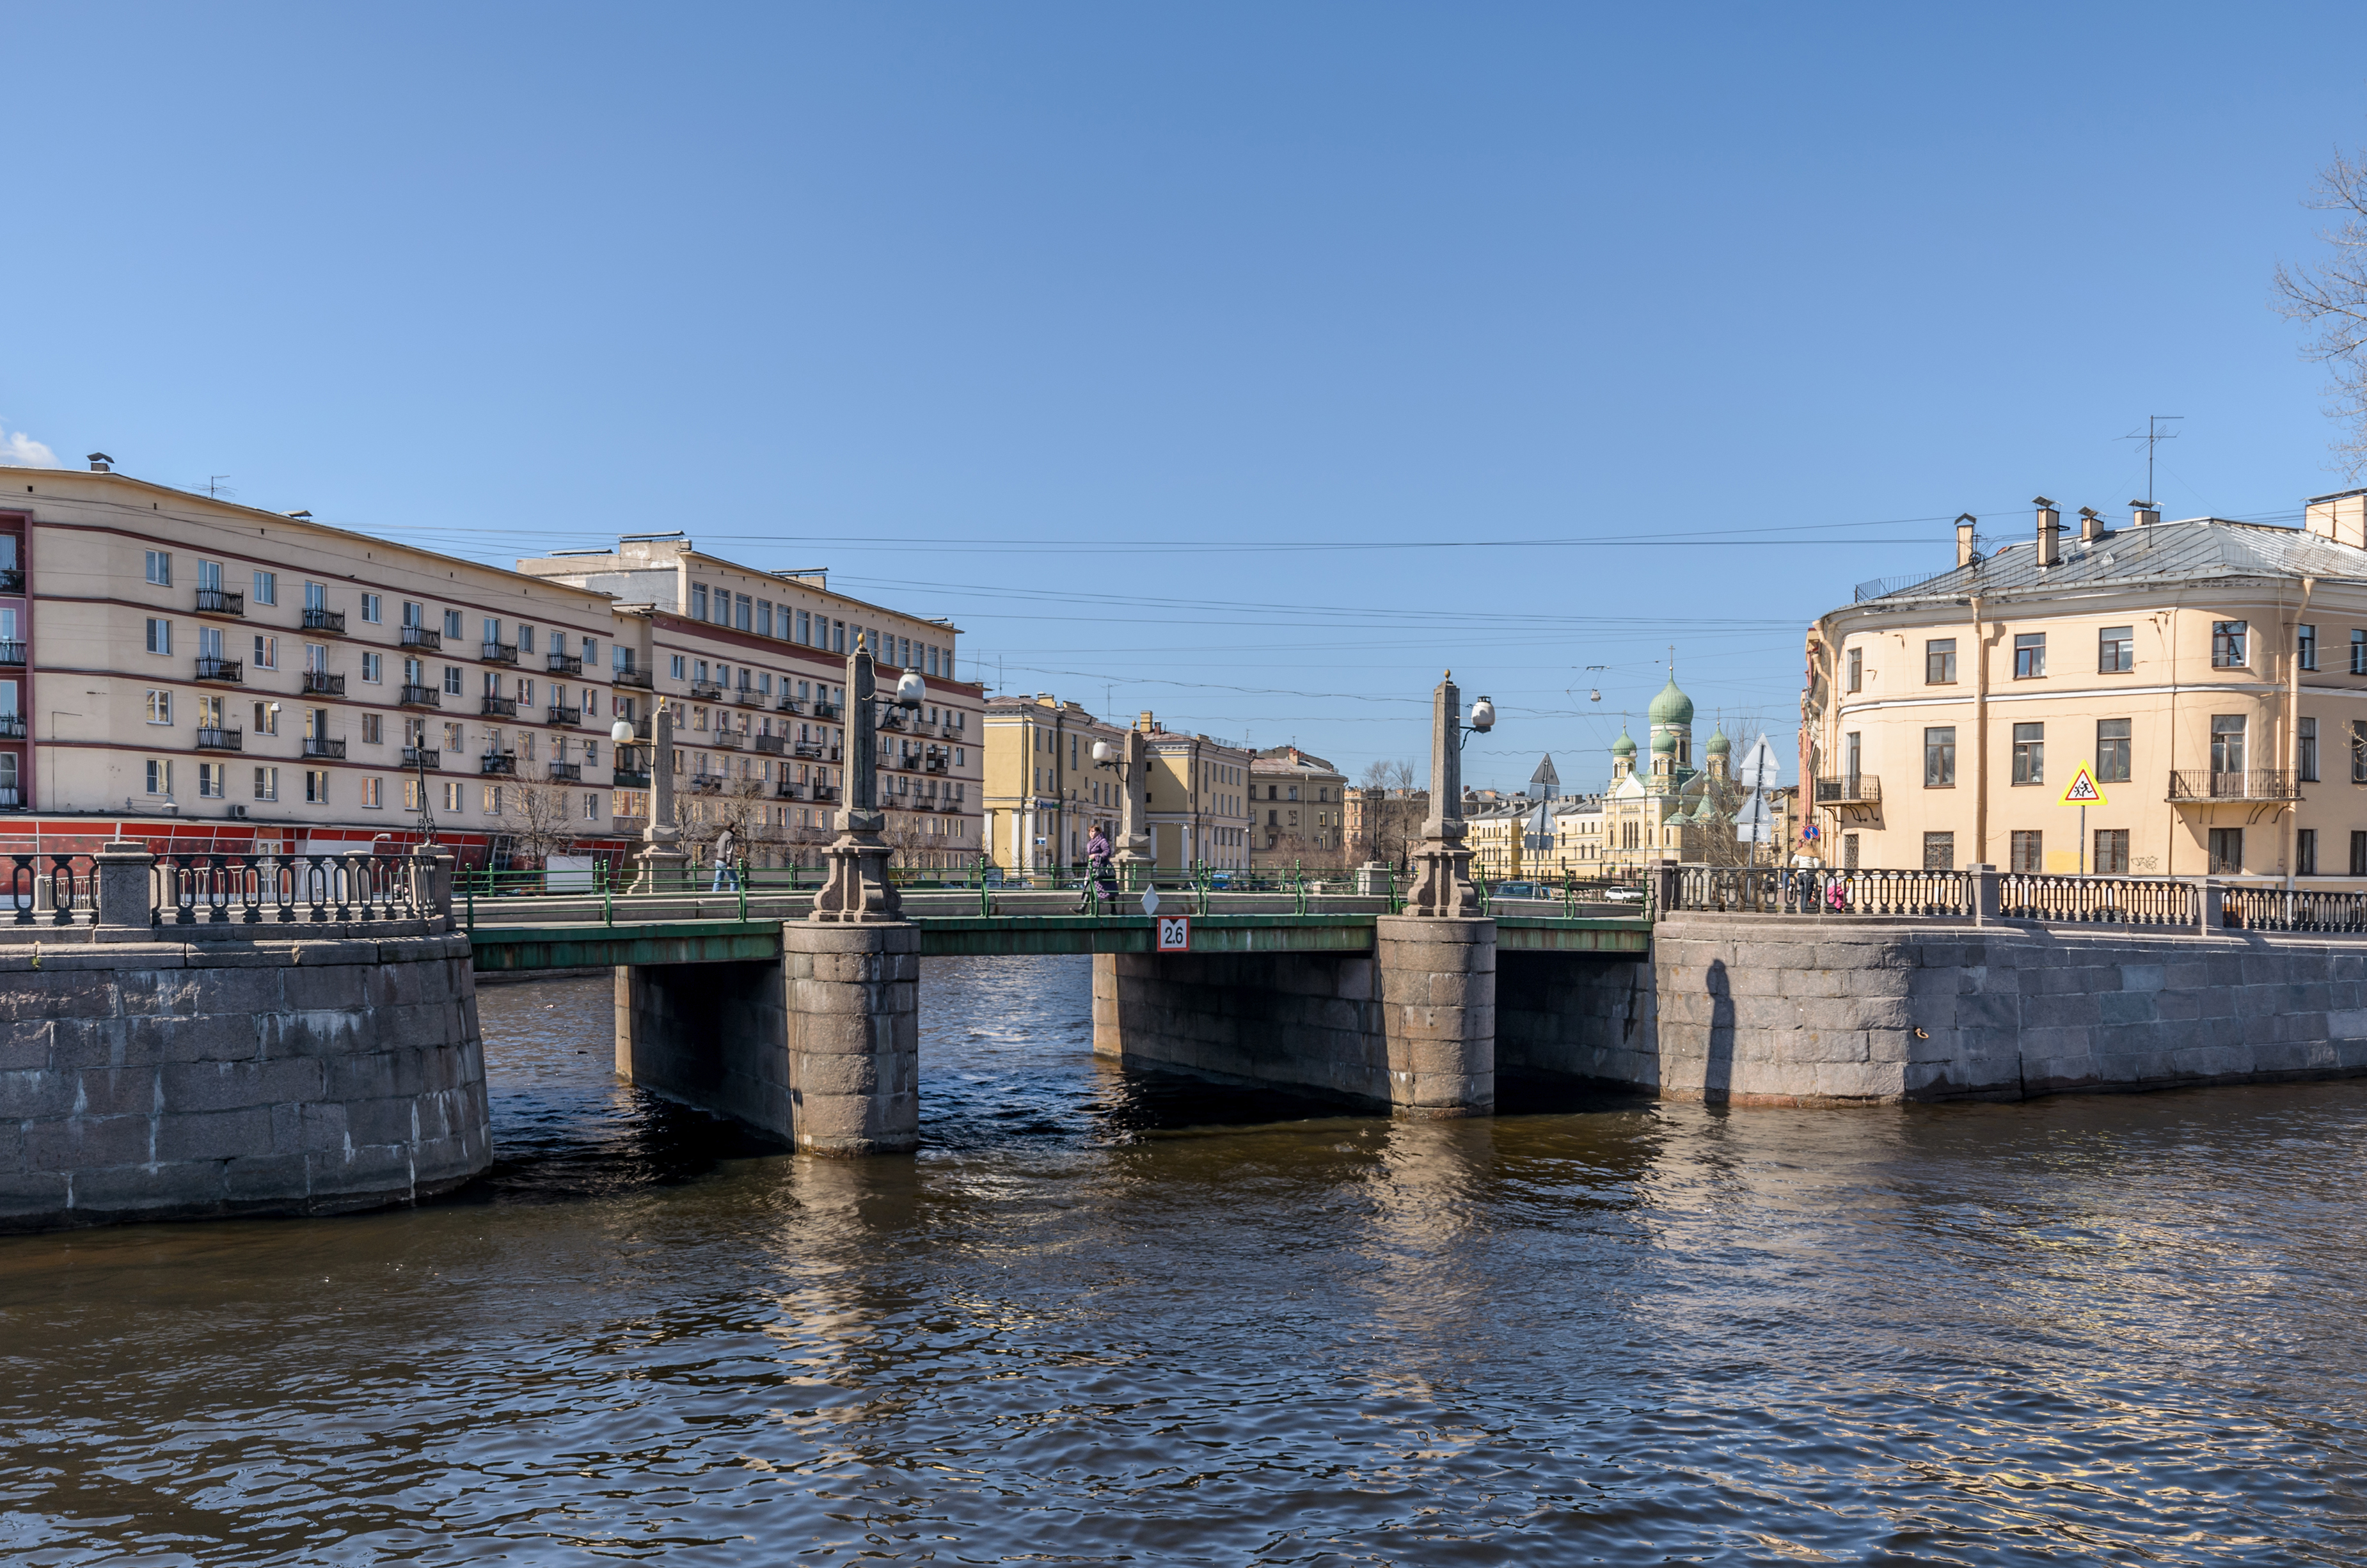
x=1665, y=808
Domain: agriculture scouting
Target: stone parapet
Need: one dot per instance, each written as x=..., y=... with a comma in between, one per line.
x=163, y=1080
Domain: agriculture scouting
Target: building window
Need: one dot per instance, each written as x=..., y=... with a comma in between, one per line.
x=373, y=729
x=2111, y=751
x=160, y=775
x=1938, y=662
x=743, y=611
x=591, y=807
x=316, y=786
x=452, y=680
x=675, y=666
x=2306, y=751
x=267, y=718
x=2111, y=852
x=2116, y=650
x=2359, y=751
x=763, y=618
x=2305, y=852
x=373, y=608
x=160, y=568
x=374, y=668
x=2026, y=850
x=371, y=797
x=2306, y=638
x=2359, y=854
x=805, y=626
x=266, y=783
x=492, y=799
x=2227, y=851
x=1940, y=758
x=525, y=639
x=2028, y=655
x=2227, y=743
x=1856, y=667
x=1939, y=851
x=452, y=624
x=159, y=636
x=160, y=707
x=452, y=796
x=1849, y=852
x=699, y=601
x=266, y=653
x=2359, y=652
x=267, y=587
x=838, y=636
x=2029, y=754
x=213, y=780
x=2228, y=644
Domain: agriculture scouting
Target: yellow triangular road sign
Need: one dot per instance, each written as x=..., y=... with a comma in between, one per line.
x=2082, y=791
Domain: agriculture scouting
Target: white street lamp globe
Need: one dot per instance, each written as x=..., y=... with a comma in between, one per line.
x=1105, y=751
x=621, y=732
x=1483, y=715
x=909, y=689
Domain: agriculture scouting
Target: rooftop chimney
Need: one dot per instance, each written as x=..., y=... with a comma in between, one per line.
x=101, y=463
x=1147, y=724
x=2050, y=533
x=2143, y=513
x=1965, y=548
x=2091, y=526
x=2342, y=519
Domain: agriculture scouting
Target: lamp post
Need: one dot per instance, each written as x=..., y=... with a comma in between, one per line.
x=856, y=890
x=1128, y=761
x=1441, y=867
x=661, y=855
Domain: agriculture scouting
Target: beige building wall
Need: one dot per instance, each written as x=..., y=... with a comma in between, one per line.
x=1199, y=800
x=1044, y=793
x=1297, y=808
x=1929, y=698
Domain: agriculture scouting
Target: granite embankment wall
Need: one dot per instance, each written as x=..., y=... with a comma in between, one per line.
x=1775, y=1010
x=159, y=1080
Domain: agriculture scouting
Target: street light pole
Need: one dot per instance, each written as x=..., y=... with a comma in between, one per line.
x=857, y=890
x=1441, y=867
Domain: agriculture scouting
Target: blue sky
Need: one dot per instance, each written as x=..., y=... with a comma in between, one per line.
x=1236, y=362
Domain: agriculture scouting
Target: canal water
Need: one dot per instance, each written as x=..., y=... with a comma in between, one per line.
x=1109, y=1318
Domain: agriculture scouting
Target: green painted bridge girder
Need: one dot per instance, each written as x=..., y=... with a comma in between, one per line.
x=588, y=946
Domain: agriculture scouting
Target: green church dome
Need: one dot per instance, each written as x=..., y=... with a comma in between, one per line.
x=1719, y=745
x=1672, y=706
x=1624, y=745
x=1663, y=741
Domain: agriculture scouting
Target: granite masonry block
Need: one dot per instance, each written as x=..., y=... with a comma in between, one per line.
x=27, y=1044
x=117, y=1091
x=27, y=1095
x=2127, y=1006
x=263, y=1178
x=228, y=1085
x=87, y=1143
x=181, y=1187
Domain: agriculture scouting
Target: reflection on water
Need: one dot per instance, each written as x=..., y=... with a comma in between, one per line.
x=1109, y=1317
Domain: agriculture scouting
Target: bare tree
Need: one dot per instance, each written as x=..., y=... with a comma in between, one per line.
x=2330, y=300
x=541, y=822
x=1388, y=776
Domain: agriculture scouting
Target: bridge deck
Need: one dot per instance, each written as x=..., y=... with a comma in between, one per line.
x=592, y=945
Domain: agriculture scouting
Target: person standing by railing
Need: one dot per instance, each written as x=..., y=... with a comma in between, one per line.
x=1098, y=871
x=726, y=877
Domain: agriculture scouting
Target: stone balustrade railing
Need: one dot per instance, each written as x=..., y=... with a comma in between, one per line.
x=127, y=893
x=2199, y=903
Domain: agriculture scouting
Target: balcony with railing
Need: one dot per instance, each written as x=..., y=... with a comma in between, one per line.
x=937, y=762
x=825, y=710
x=1850, y=789
x=498, y=762
x=12, y=726
x=785, y=703
x=2203, y=785
x=420, y=757
x=706, y=691
x=825, y=792
x=563, y=772
x=12, y=579
x=330, y=621
x=806, y=749
x=320, y=683
x=629, y=778
x=12, y=654
x=785, y=791
x=630, y=678
x=12, y=799
x=220, y=601
x=769, y=744
x=323, y=748
x=211, y=668
x=499, y=706
x=705, y=783
x=422, y=637
x=559, y=663
x=498, y=653
x=212, y=738
x=728, y=739
x=749, y=696
x=419, y=697
x=563, y=716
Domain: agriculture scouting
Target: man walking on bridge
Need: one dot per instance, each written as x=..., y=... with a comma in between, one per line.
x=1097, y=862
x=725, y=876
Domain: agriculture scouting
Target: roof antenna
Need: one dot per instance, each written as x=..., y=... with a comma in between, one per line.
x=2153, y=434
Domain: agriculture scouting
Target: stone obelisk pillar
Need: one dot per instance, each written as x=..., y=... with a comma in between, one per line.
x=1133, y=857
x=1436, y=962
x=851, y=971
x=661, y=857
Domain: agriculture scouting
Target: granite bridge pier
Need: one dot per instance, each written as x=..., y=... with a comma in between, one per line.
x=201, y=1035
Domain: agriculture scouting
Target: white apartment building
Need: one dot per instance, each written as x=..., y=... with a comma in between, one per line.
x=204, y=675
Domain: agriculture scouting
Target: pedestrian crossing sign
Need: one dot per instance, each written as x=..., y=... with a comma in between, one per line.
x=2082, y=791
